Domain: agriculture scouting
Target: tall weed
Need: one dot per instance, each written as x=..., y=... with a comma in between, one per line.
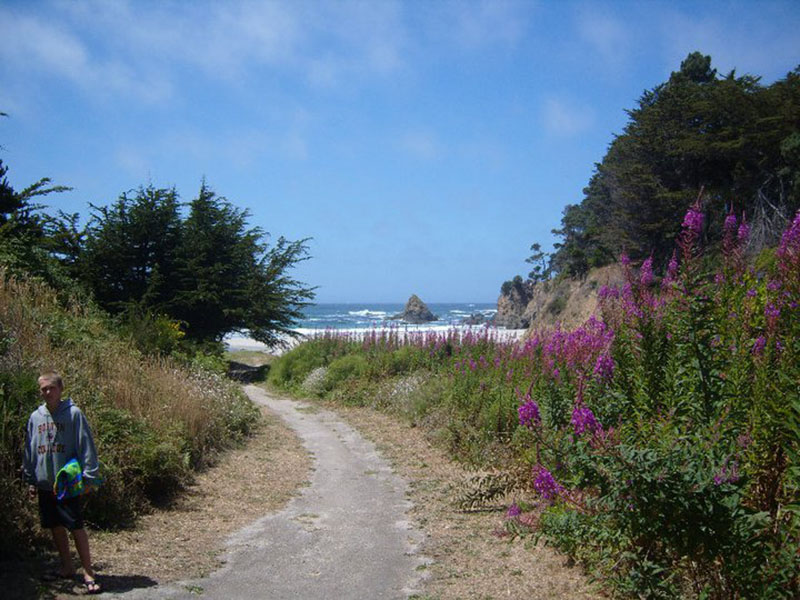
x=662, y=437
x=155, y=421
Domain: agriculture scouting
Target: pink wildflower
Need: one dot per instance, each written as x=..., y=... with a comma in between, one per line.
x=646, y=272
x=544, y=483
x=583, y=419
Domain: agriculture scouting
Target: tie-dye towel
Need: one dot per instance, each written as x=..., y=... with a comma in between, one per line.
x=70, y=481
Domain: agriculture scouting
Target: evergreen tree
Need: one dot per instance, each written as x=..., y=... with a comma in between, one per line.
x=728, y=135
x=229, y=280
x=130, y=250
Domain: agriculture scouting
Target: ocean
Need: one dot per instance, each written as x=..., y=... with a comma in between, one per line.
x=366, y=315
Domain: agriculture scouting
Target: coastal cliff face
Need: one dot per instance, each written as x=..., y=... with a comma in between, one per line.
x=569, y=302
x=511, y=306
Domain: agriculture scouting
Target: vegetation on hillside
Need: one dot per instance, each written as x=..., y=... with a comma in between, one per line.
x=728, y=135
x=659, y=443
x=131, y=309
x=155, y=421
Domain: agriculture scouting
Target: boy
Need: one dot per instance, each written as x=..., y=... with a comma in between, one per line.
x=57, y=432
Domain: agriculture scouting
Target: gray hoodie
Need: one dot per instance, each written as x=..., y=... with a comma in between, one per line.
x=51, y=441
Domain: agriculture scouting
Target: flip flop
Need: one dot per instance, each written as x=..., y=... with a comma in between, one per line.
x=92, y=586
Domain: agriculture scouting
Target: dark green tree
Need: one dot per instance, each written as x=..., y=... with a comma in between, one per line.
x=541, y=263
x=23, y=239
x=728, y=135
x=130, y=250
x=230, y=280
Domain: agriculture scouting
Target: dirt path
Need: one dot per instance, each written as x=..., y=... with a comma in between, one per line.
x=345, y=536
x=176, y=552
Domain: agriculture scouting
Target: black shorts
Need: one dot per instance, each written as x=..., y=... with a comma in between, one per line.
x=53, y=513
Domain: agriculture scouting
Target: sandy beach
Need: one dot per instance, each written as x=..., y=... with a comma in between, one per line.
x=242, y=342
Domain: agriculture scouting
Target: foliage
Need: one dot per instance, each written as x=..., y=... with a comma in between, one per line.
x=155, y=420
x=229, y=280
x=660, y=442
x=731, y=135
x=24, y=231
x=209, y=272
x=129, y=256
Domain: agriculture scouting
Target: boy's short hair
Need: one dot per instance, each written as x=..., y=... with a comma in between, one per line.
x=52, y=377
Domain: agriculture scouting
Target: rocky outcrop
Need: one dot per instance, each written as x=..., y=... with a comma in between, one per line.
x=475, y=319
x=540, y=306
x=416, y=312
x=568, y=301
x=512, y=303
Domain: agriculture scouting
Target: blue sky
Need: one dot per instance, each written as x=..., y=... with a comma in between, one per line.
x=423, y=145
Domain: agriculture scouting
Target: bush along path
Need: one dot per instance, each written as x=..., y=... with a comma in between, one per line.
x=345, y=536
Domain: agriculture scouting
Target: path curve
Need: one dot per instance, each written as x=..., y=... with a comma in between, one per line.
x=345, y=536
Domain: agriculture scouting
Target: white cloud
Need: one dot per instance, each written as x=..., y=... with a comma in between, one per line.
x=607, y=37
x=423, y=145
x=564, y=118
x=50, y=47
x=480, y=23
x=136, y=49
x=132, y=161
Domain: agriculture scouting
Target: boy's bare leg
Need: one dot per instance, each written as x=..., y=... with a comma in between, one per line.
x=82, y=545
x=61, y=541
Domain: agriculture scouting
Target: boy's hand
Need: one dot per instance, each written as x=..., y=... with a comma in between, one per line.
x=31, y=492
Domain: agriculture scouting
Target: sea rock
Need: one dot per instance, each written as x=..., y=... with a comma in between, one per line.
x=475, y=319
x=416, y=312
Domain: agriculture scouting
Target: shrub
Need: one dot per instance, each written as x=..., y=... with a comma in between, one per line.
x=154, y=420
x=347, y=367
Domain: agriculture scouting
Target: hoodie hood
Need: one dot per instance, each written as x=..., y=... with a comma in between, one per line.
x=65, y=404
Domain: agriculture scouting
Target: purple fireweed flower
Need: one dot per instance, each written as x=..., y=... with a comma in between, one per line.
x=771, y=312
x=759, y=345
x=625, y=259
x=789, y=248
x=672, y=267
x=743, y=233
x=774, y=285
x=751, y=293
x=583, y=419
x=692, y=229
x=604, y=367
x=544, y=483
x=513, y=511
x=729, y=235
x=729, y=227
x=605, y=292
x=529, y=413
x=719, y=279
x=646, y=272
x=727, y=474
x=693, y=220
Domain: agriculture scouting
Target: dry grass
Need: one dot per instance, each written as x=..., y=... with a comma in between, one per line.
x=77, y=342
x=469, y=559
x=184, y=541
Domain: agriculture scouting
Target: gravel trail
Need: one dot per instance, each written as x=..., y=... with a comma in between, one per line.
x=345, y=536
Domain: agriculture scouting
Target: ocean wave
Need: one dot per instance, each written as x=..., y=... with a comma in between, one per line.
x=375, y=314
